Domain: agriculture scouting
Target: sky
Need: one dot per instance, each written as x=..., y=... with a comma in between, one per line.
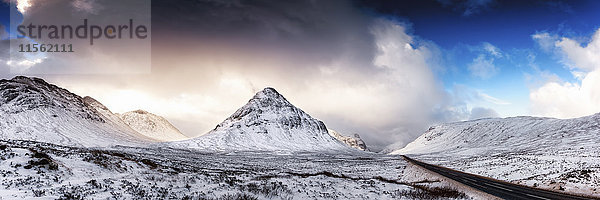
x=386, y=70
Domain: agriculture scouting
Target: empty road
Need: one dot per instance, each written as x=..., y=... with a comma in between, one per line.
x=497, y=188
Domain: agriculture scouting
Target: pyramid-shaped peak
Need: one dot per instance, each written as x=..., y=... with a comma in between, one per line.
x=269, y=96
x=268, y=92
x=268, y=122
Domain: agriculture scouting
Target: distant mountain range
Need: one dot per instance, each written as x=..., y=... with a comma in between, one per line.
x=32, y=109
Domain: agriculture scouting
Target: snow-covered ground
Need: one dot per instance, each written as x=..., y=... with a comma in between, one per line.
x=541, y=152
x=45, y=171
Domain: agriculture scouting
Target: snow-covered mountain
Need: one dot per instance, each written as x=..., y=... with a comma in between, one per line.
x=560, y=154
x=509, y=134
x=268, y=122
x=152, y=126
x=108, y=116
x=32, y=109
x=352, y=141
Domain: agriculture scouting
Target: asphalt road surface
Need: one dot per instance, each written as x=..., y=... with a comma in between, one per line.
x=494, y=187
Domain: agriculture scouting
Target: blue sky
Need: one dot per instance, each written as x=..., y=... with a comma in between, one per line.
x=461, y=28
x=5, y=16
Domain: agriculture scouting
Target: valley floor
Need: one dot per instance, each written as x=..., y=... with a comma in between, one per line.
x=32, y=169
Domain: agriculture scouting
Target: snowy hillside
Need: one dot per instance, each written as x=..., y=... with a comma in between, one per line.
x=510, y=134
x=268, y=122
x=108, y=116
x=352, y=141
x=152, y=126
x=32, y=109
x=545, y=152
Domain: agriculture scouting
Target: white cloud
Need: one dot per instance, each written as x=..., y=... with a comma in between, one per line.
x=483, y=67
x=479, y=113
x=545, y=40
x=492, y=99
x=89, y=6
x=492, y=50
x=567, y=100
x=572, y=99
x=23, y=63
x=23, y=5
x=580, y=57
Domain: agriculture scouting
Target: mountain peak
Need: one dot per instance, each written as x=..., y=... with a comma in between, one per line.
x=268, y=122
x=269, y=91
x=267, y=100
x=30, y=80
x=270, y=95
x=141, y=112
x=151, y=125
x=29, y=93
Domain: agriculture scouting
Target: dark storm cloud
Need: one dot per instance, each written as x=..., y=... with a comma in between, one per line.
x=4, y=55
x=108, y=56
x=309, y=30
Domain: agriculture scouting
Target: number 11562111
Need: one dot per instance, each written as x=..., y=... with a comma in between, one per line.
x=46, y=48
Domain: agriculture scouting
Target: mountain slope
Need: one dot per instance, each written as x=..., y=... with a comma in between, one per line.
x=352, y=141
x=108, y=116
x=510, y=134
x=268, y=122
x=559, y=154
x=32, y=109
x=152, y=126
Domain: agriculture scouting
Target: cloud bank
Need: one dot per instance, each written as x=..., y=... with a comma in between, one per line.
x=564, y=99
